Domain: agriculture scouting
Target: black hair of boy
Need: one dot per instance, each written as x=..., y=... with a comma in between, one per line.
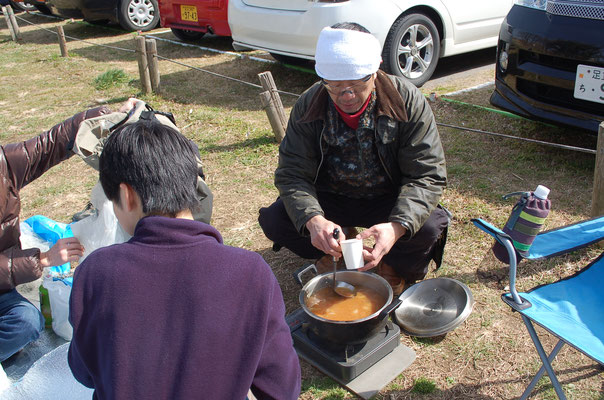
x=158, y=162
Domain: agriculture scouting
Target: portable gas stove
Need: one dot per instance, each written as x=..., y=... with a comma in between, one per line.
x=363, y=368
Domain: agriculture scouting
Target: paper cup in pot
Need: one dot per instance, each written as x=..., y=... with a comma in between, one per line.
x=352, y=249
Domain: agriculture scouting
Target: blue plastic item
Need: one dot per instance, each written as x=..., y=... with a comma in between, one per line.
x=51, y=231
x=569, y=309
x=555, y=241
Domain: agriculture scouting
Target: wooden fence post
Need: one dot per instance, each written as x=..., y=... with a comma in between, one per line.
x=62, y=42
x=273, y=105
x=597, y=199
x=143, y=67
x=273, y=115
x=13, y=21
x=9, y=24
x=153, y=62
x=268, y=83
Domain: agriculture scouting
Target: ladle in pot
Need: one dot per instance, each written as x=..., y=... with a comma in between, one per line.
x=342, y=288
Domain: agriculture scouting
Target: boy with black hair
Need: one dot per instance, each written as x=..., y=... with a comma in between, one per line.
x=173, y=313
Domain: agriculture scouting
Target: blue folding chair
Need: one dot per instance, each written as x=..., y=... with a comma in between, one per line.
x=570, y=309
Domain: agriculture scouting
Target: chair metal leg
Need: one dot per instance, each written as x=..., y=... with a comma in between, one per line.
x=533, y=383
x=544, y=359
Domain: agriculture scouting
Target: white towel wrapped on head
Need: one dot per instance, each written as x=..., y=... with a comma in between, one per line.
x=344, y=54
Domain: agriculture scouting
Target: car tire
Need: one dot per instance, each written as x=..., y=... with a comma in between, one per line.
x=412, y=48
x=138, y=15
x=187, y=35
x=18, y=6
x=43, y=9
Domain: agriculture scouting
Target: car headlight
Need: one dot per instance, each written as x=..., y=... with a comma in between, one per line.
x=538, y=4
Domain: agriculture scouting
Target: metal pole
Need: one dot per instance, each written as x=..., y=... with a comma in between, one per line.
x=533, y=383
x=544, y=358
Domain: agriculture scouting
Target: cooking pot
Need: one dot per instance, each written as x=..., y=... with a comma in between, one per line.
x=347, y=332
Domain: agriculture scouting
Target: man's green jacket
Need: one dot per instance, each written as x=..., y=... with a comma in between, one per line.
x=407, y=141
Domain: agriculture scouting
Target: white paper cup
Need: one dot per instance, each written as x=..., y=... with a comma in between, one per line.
x=352, y=249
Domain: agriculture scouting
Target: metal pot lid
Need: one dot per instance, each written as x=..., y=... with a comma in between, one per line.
x=434, y=307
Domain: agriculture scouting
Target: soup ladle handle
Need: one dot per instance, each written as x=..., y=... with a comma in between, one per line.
x=336, y=236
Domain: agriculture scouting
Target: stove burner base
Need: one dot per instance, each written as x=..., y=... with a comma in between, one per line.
x=363, y=369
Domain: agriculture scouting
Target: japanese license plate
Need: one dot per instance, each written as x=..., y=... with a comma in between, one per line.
x=589, y=83
x=188, y=13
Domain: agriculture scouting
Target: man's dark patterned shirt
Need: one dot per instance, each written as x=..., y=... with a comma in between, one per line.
x=351, y=164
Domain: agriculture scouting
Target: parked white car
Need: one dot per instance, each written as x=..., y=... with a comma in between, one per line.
x=414, y=34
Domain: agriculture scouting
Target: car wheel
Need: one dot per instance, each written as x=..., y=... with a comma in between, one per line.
x=412, y=48
x=19, y=6
x=43, y=9
x=138, y=15
x=187, y=35
x=289, y=59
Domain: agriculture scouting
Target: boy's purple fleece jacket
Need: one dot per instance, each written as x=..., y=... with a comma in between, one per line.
x=175, y=314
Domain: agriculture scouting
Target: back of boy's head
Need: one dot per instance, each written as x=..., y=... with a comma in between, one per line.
x=158, y=162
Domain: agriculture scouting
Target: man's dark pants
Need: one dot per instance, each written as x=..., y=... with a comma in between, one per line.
x=410, y=258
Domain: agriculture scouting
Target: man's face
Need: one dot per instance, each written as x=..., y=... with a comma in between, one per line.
x=350, y=95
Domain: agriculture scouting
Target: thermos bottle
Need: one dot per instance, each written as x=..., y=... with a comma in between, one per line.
x=525, y=222
x=45, y=306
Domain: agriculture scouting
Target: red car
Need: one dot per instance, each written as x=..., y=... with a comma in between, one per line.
x=191, y=19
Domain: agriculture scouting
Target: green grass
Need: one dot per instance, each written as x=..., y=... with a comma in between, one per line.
x=111, y=78
x=424, y=386
x=324, y=388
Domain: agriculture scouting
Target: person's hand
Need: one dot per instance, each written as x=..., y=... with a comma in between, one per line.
x=128, y=105
x=65, y=250
x=385, y=236
x=321, y=235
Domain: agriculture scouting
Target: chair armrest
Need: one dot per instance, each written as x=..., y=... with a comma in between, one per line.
x=492, y=230
x=506, y=241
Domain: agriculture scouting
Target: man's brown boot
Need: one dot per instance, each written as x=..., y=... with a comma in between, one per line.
x=387, y=272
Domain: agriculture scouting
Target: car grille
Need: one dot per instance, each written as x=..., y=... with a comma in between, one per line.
x=559, y=63
x=556, y=96
x=577, y=8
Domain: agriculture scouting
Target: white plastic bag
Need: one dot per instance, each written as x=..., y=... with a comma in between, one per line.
x=59, y=290
x=101, y=229
x=30, y=239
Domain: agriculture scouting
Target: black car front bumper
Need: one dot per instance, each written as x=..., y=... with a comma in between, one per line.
x=543, y=53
